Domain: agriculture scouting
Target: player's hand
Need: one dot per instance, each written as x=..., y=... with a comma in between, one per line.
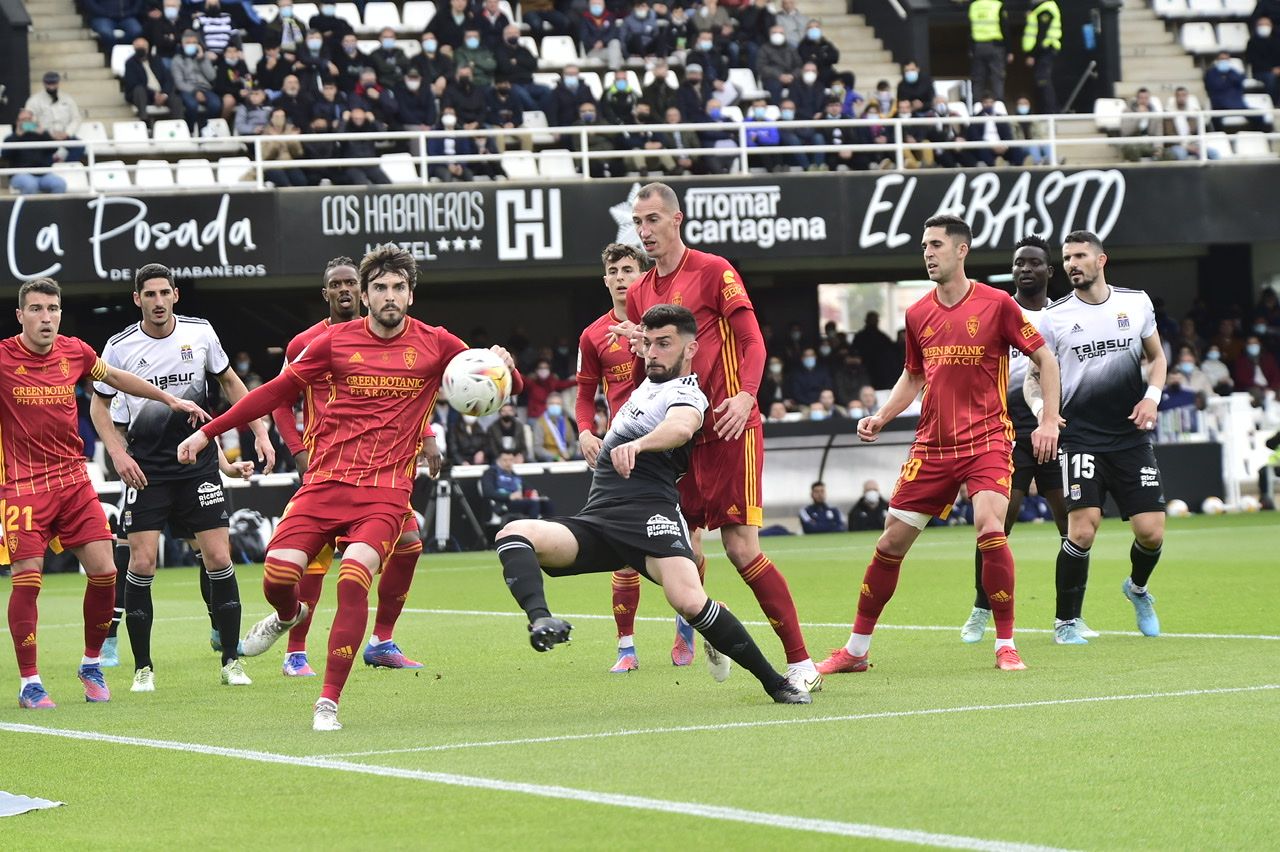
x=590, y=446
x=431, y=452
x=1144, y=415
x=302, y=461
x=732, y=416
x=629, y=330
x=262, y=446
x=623, y=458
x=192, y=447
x=1044, y=440
x=195, y=414
x=869, y=428
x=130, y=474
x=236, y=469
x=504, y=355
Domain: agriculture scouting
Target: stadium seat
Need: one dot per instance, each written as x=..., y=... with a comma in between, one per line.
x=195, y=174
x=235, y=171
x=350, y=13
x=381, y=14
x=1250, y=143
x=90, y=131
x=119, y=56
x=590, y=78
x=1260, y=101
x=558, y=51
x=76, y=177
x=217, y=128
x=529, y=44
x=1233, y=37
x=306, y=11
x=416, y=16
x=1171, y=9
x=504, y=6
x=1239, y=8
x=672, y=80
x=632, y=78
x=1206, y=8
x=557, y=163
x=172, y=134
x=731, y=113
x=744, y=80
x=109, y=174
x=535, y=118
x=153, y=174
x=1106, y=114
x=267, y=11
x=252, y=51
x=6, y=130
x=368, y=45
x=401, y=168
x=520, y=165
x=1198, y=37
x=411, y=46
x=130, y=137
x=550, y=79
x=1221, y=143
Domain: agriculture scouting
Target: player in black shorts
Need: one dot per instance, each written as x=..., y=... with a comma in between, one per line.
x=1032, y=272
x=632, y=516
x=176, y=353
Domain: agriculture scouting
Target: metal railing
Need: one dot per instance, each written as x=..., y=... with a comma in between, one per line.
x=899, y=148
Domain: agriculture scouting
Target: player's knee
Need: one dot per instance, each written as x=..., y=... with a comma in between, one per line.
x=741, y=553
x=523, y=527
x=142, y=562
x=1082, y=538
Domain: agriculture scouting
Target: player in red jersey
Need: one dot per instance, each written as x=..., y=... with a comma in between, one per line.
x=722, y=488
x=606, y=363
x=341, y=291
x=47, y=495
x=958, y=340
x=386, y=371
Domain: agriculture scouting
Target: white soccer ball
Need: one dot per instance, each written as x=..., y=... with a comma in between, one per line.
x=1213, y=506
x=1249, y=503
x=476, y=382
x=1177, y=508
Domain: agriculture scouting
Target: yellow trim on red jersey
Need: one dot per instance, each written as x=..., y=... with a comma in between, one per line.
x=729, y=358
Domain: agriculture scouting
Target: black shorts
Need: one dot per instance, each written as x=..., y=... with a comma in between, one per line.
x=187, y=506
x=1047, y=475
x=615, y=537
x=1130, y=476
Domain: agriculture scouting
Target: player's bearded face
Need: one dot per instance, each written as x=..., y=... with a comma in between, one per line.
x=1081, y=266
x=665, y=360
x=388, y=298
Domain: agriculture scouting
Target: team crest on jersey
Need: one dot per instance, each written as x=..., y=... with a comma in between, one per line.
x=186, y=353
x=946, y=326
x=410, y=357
x=64, y=367
x=971, y=326
x=677, y=298
x=1122, y=320
x=1075, y=491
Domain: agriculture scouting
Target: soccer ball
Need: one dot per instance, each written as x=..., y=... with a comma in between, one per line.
x=1177, y=508
x=1213, y=506
x=476, y=382
x=1250, y=504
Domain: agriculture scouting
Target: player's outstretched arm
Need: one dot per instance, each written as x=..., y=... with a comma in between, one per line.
x=123, y=380
x=904, y=392
x=676, y=429
x=128, y=470
x=1042, y=389
x=235, y=391
x=258, y=403
x=1144, y=413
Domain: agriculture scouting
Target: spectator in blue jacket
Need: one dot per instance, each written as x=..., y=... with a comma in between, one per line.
x=807, y=380
x=818, y=517
x=1225, y=86
x=504, y=487
x=762, y=133
x=600, y=36
x=639, y=31
x=450, y=146
x=107, y=16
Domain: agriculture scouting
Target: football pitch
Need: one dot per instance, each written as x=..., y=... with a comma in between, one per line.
x=1127, y=743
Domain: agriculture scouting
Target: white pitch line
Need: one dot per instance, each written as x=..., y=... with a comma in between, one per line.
x=853, y=717
x=692, y=809
x=580, y=616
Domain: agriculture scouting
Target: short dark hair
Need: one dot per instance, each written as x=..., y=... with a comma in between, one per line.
x=678, y=315
x=47, y=286
x=1033, y=241
x=1084, y=237
x=151, y=270
x=816, y=484
x=953, y=225
x=615, y=252
x=385, y=258
x=334, y=263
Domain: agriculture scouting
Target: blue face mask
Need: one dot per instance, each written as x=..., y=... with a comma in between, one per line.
x=29, y=127
x=1260, y=329
x=286, y=11
x=621, y=85
x=1223, y=65
x=473, y=43
x=388, y=44
x=911, y=76
x=1253, y=350
x=817, y=414
x=554, y=410
x=714, y=114
x=1213, y=355
x=813, y=33
x=429, y=46
x=571, y=82
x=314, y=44
x=171, y=13
x=1185, y=367
x=759, y=113
x=788, y=115
x=809, y=362
x=190, y=49
x=597, y=9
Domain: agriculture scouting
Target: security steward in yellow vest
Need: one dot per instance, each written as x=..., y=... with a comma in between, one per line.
x=989, y=53
x=1041, y=42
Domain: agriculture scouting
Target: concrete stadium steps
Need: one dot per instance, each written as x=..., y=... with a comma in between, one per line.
x=1151, y=56
x=860, y=50
x=60, y=41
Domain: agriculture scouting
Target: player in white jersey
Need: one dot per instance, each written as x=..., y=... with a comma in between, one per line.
x=632, y=516
x=176, y=354
x=1100, y=335
x=1032, y=272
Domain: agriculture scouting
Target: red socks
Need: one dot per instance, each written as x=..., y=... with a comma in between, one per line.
x=774, y=597
x=393, y=587
x=347, y=633
x=878, y=585
x=280, y=586
x=626, y=597
x=997, y=580
x=22, y=619
x=99, y=609
x=309, y=588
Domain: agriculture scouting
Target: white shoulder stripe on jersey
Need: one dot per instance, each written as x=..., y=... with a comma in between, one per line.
x=122, y=335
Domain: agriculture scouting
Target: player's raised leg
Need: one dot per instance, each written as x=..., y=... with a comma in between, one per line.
x=625, y=584
x=525, y=547
x=393, y=591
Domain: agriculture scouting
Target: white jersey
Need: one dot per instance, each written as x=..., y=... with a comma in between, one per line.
x=1024, y=422
x=1099, y=351
x=656, y=473
x=180, y=364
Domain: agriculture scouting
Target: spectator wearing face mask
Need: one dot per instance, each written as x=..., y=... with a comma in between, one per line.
x=466, y=98
x=415, y=106
x=619, y=101
x=818, y=517
x=707, y=55
x=476, y=56
x=820, y=51
x=568, y=96
x=1262, y=55
x=442, y=148
x=232, y=80
x=291, y=99
x=193, y=79
x=870, y=510
x=506, y=434
x=541, y=386
x=216, y=27
x=986, y=127
x=1030, y=136
x=329, y=27
x=555, y=436
x=351, y=61
x=805, y=384
x=436, y=68
x=1218, y=374
x=798, y=136
x=467, y=441
x=589, y=116
x=164, y=27
x=1178, y=411
x=691, y=97
x=362, y=122
x=288, y=29
x=779, y=64
x=809, y=94
x=29, y=130
x=389, y=61
x=599, y=35
x=639, y=31
x=1225, y=87
x=451, y=24
x=915, y=86
x=1192, y=376
x=516, y=65
x=762, y=134
x=1256, y=369
x=772, y=384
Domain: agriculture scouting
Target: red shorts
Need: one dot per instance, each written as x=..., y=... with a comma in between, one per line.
x=930, y=486
x=321, y=562
x=722, y=486
x=66, y=518
x=320, y=514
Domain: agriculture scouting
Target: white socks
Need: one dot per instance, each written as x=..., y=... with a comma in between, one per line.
x=858, y=644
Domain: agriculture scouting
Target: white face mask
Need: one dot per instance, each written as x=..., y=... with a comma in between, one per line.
x=413, y=85
x=1264, y=32
x=810, y=77
x=872, y=497
x=777, y=39
x=448, y=120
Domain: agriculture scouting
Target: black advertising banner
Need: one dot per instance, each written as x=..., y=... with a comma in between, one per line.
x=509, y=230
x=105, y=237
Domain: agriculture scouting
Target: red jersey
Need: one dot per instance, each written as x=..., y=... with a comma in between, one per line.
x=383, y=392
x=731, y=353
x=40, y=441
x=963, y=352
x=315, y=396
x=605, y=364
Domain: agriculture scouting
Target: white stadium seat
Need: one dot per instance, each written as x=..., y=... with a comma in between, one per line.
x=153, y=174
x=109, y=174
x=1258, y=100
x=252, y=51
x=172, y=134
x=1252, y=144
x=557, y=162
x=130, y=137
x=1233, y=37
x=1106, y=114
x=267, y=11
x=1206, y=8
x=77, y=180
x=1198, y=37
x=558, y=51
x=745, y=82
x=731, y=113
x=305, y=11
x=1239, y=8
x=1171, y=9
x=520, y=165
x=416, y=16
x=381, y=14
x=529, y=44
x=195, y=174
x=591, y=80
x=235, y=171
x=401, y=168
x=535, y=118
x=1221, y=143
x=119, y=56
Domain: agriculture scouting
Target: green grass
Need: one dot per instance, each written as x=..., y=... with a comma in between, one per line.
x=1151, y=772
